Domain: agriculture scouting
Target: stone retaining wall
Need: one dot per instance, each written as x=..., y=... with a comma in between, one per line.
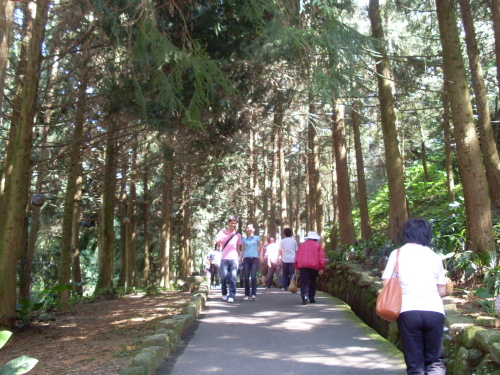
x=470, y=349
x=159, y=346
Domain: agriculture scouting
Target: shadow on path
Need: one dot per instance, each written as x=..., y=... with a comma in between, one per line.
x=276, y=334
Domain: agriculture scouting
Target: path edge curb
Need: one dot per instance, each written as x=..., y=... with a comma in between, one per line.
x=159, y=346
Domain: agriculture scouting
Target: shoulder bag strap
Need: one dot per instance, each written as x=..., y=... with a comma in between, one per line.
x=223, y=247
x=396, y=265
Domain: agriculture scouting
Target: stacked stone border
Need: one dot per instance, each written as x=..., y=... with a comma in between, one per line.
x=158, y=347
x=470, y=347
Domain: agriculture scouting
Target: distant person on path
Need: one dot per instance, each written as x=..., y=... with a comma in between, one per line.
x=422, y=279
x=252, y=249
x=214, y=256
x=310, y=260
x=229, y=242
x=264, y=268
x=273, y=251
x=288, y=248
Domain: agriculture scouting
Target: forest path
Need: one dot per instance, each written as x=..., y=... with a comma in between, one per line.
x=276, y=334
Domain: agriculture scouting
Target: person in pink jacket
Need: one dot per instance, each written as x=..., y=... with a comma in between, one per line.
x=310, y=260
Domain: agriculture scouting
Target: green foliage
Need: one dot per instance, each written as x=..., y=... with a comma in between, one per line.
x=153, y=290
x=429, y=200
x=4, y=337
x=378, y=246
x=20, y=365
x=29, y=312
x=111, y=293
x=485, y=300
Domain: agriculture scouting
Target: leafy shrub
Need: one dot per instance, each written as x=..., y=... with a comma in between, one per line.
x=19, y=365
x=30, y=312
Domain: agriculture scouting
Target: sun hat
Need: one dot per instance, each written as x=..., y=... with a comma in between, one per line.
x=312, y=235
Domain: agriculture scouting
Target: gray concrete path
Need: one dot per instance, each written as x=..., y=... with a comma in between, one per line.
x=276, y=335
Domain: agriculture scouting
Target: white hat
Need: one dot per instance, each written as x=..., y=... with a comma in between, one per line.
x=312, y=235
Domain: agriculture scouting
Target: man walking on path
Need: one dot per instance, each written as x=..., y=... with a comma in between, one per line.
x=288, y=248
x=214, y=257
x=229, y=242
x=273, y=250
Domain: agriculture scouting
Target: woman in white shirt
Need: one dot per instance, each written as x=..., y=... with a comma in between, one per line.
x=422, y=279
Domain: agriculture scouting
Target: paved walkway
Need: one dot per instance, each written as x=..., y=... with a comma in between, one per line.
x=276, y=335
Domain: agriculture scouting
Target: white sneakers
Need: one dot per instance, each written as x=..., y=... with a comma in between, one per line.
x=246, y=298
x=224, y=298
x=254, y=296
x=230, y=300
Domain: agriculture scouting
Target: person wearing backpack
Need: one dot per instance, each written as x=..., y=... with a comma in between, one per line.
x=229, y=242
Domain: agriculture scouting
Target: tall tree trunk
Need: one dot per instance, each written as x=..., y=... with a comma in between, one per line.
x=27, y=257
x=145, y=219
x=277, y=121
x=75, y=241
x=107, y=215
x=256, y=193
x=334, y=235
x=72, y=188
x=495, y=17
x=450, y=181
x=487, y=140
x=6, y=13
x=477, y=204
x=165, y=244
x=315, y=198
x=398, y=212
x=14, y=211
x=311, y=172
x=124, y=221
x=366, y=229
x=186, y=229
x=265, y=195
x=29, y=11
x=298, y=193
x=284, y=222
x=182, y=262
x=251, y=182
x=347, y=232
x=291, y=193
x=132, y=227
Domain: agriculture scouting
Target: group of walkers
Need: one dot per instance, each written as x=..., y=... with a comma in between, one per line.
x=231, y=250
x=420, y=272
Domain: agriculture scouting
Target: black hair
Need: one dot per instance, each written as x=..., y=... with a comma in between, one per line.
x=233, y=218
x=417, y=231
x=288, y=232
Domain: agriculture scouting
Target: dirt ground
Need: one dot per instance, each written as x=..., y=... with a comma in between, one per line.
x=97, y=338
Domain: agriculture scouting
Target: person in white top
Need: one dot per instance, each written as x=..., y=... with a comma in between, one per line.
x=273, y=251
x=288, y=248
x=422, y=279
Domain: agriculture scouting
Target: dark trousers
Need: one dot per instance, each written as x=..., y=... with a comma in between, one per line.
x=214, y=274
x=421, y=335
x=288, y=272
x=250, y=265
x=308, y=278
x=270, y=273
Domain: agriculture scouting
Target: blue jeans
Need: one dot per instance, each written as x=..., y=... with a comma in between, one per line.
x=288, y=273
x=250, y=264
x=228, y=270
